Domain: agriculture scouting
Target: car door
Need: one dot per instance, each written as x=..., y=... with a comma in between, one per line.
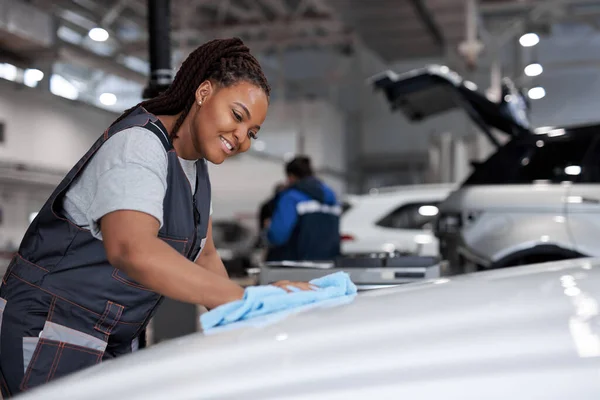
x=583, y=203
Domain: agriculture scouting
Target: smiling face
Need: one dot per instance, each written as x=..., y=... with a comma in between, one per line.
x=226, y=119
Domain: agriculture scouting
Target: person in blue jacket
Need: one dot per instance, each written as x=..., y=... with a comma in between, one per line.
x=305, y=224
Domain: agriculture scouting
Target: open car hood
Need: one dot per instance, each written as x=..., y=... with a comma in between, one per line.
x=428, y=91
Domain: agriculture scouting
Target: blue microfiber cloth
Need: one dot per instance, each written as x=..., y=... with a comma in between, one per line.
x=262, y=300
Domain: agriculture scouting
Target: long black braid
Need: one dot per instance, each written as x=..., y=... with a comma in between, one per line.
x=224, y=61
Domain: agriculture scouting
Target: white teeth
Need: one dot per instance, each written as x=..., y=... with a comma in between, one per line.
x=229, y=146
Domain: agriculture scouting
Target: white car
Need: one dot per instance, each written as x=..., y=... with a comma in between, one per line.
x=526, y=333
x=398, y=219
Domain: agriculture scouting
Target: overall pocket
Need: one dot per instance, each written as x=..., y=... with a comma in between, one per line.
x=59, y=351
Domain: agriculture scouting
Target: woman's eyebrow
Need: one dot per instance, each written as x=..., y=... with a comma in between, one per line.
x=244, y=107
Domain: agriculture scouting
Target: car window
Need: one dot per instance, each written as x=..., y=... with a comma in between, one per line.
x=411, y=216
x=546, y=159
x=591, y=171
x=345, y=207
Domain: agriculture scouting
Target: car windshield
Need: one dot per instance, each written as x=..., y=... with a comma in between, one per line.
x=534, y=159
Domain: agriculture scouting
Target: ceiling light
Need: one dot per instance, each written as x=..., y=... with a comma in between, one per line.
x=108, y=99
x=31, y=77
x=529, y=40
x=8, y=71
x=537, y=93
x=573, y=170
x=34, y=74
x=98, y=34
x=534, y=69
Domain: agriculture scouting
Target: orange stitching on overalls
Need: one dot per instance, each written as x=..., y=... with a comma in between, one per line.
x=51, y=312
x=103, y=317
x=116, y=276
x=5, y=385
x=84, y=162
x=55, y=362
x=36, y=353
x=82, y=349
x=29, y=262
x=108, y=330
x=70, y=302
x=119, y=312
x=9, y=269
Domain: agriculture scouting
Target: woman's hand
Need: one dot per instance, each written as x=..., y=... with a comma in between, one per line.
x=285, y=285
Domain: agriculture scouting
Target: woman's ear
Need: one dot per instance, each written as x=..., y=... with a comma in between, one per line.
x=204, y=91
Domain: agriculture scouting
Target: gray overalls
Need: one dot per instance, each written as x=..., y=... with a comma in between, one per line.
x=63, y=307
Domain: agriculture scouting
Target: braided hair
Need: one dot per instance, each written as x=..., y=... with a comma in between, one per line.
x=224, y=61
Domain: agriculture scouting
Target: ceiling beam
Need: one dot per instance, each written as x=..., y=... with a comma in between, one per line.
x=278, y=7
x=427, y=17
x=78, y=55
x=272, y=29
x=113, y=12
x=240, y=13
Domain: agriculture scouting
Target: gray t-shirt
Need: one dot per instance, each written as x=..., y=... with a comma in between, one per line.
x=129, y=172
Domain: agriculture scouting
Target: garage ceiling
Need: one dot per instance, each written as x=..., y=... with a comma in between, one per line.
x=396, y=30
x=403, y=29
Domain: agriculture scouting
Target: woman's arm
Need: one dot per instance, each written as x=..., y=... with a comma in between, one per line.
x=209, y=258
x=131, y=243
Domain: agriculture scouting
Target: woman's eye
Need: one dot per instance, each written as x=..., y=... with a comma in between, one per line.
x=237, y=116
x=252, y=135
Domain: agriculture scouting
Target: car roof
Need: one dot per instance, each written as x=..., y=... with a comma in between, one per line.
x=501, y=332
x=399, y=191
x=369, y=207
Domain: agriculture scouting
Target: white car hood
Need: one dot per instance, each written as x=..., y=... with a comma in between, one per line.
x=521, y=333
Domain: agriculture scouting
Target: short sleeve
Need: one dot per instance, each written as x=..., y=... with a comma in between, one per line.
x=129, y=172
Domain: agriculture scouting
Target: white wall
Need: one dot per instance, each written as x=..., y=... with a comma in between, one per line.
x=321, y=124
x=323, y=127
x=45, y=130
x=17, y=202
x=386, y=132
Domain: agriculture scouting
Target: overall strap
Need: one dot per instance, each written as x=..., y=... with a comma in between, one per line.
x=161, y=133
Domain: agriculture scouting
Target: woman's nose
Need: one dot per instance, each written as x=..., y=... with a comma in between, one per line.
x=241, y=135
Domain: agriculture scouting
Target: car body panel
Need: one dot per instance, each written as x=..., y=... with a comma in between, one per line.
x=498, y=221
x=527, y=332
x=583, y=212
x=360, y=222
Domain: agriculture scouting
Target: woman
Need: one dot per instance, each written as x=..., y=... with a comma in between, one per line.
x=130, y=223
